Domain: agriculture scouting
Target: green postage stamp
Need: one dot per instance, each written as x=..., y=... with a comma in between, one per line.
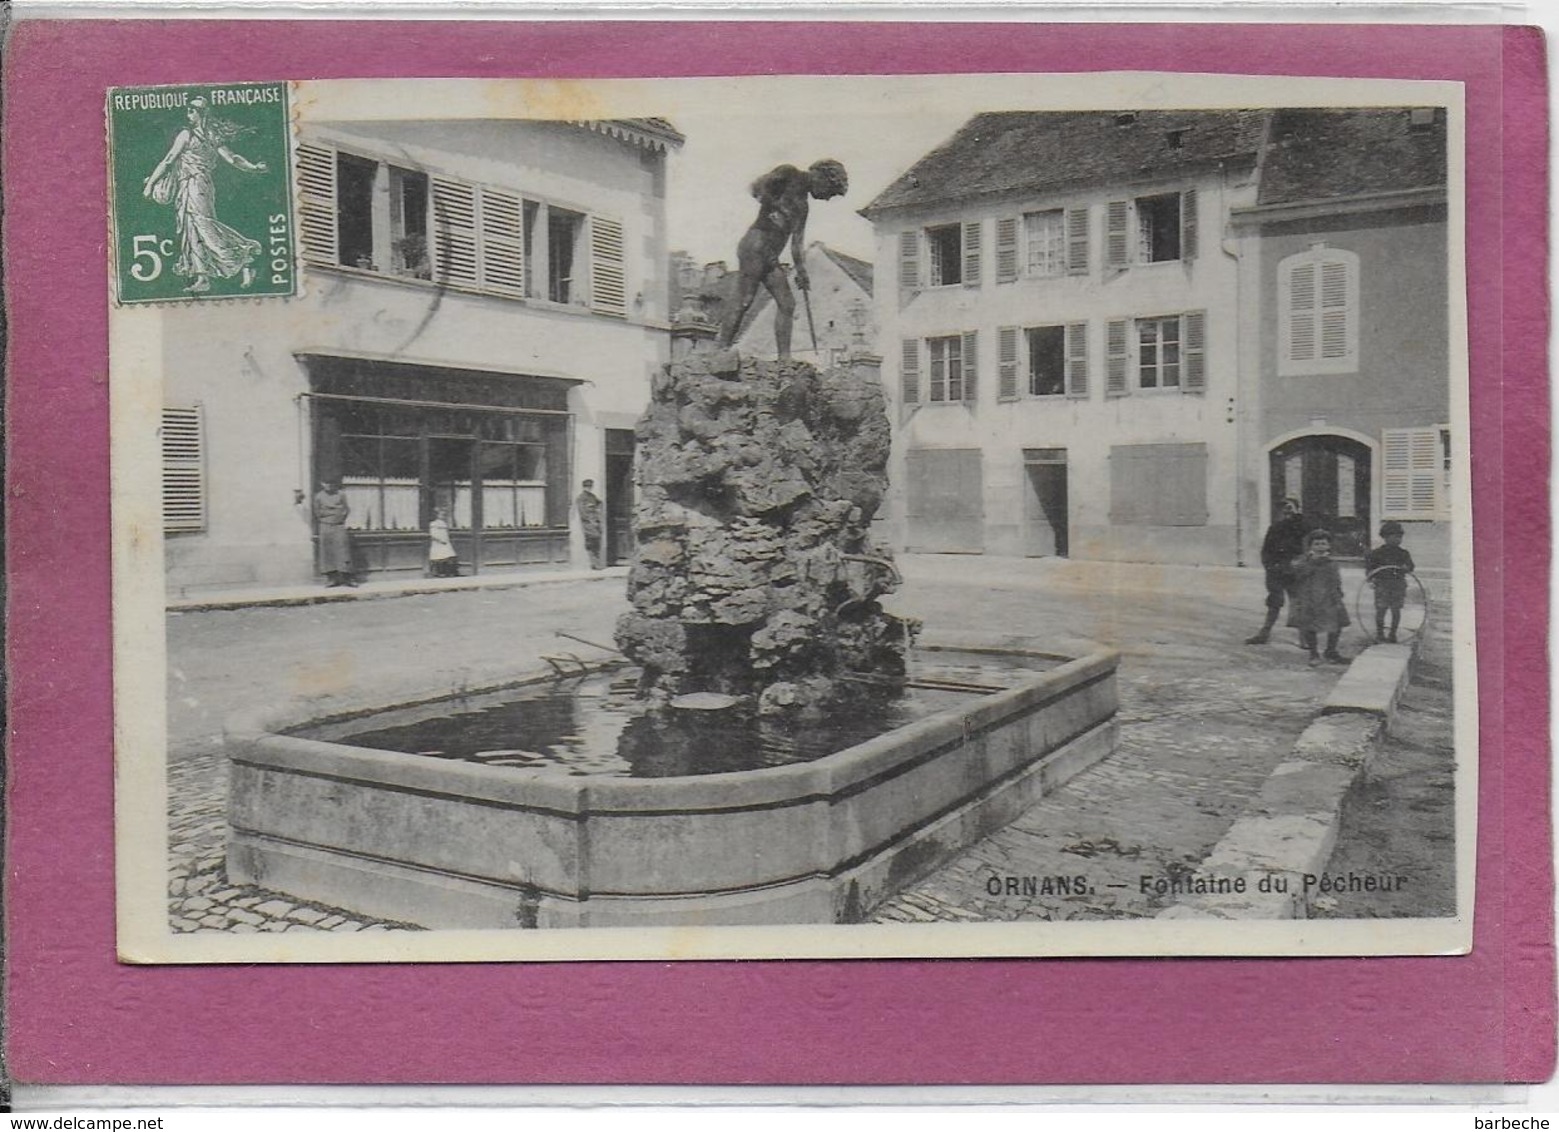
x=201, y=194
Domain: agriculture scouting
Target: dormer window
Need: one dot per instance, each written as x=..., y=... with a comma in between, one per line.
x=1125, y=118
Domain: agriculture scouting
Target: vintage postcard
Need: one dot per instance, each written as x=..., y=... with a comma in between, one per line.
x=984, y=515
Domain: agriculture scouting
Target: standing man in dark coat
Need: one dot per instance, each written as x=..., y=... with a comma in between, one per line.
x=335, y=545
x=1285, y=542
x=588, y=504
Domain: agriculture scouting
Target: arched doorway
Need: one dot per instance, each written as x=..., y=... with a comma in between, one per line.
x=1330, y=476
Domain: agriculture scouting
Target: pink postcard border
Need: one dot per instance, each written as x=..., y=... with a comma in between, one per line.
x=75, y=1015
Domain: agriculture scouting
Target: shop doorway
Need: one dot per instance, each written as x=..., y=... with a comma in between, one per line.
x=1330, y=476
x=1045, y=503
x=619, y=495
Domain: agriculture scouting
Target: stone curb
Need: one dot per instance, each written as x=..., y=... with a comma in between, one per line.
x=1270, y=863
x=378, y=591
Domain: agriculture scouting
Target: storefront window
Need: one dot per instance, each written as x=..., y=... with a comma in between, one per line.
x=487, y=469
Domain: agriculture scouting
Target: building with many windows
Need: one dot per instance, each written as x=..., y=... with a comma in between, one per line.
x=1348, y=390
x=484, y=309
x=1058, y=315
x=1126, y=335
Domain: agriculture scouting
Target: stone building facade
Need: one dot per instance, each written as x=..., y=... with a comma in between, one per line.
x=1058, y=319
x=483, y=313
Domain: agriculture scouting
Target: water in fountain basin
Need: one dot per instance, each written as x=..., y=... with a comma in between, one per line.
x=595, y=725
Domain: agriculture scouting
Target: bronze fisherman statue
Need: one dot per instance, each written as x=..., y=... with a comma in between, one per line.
x=782, y=195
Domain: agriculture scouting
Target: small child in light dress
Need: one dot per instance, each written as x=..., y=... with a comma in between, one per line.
x=1387, y=568
x=1317, y=603
x=442, y=561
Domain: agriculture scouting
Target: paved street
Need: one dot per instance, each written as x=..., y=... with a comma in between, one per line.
x=1204, y=718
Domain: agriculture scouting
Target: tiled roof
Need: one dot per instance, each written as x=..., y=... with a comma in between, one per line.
x=857, y=269
x=1022, y=151
x=1325, y=154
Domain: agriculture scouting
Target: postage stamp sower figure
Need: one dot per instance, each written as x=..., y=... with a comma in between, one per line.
x=202, y=204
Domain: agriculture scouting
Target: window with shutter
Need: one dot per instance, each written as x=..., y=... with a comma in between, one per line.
x=503, y=243
x=947, y=368
x=1318, y=312
x=454, y=232
x=1047, y=360
x=1158, y=227
x=1044, y=235
x=1077, y=240
x=1006, y=249
x=607, y=285
x=1195, y=338
x=1115, y=357
x=1188, y=224
x=971, y=274
x=909, y=261
x=1413, y=470
x=909, y=371
x=945, y=243
x=1077, y=359
x=317, y=203
x=971, y=359
x=1007, y=363
x=183, y=470
x=1116, y=248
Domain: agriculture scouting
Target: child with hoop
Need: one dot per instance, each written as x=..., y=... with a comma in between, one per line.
x=1386, y=568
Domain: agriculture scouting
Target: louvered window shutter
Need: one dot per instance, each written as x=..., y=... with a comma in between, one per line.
x=1424, y=492
x=503, y=243
x=1333, y=307
x=608, y=292
x=317, y=204
x=909, y=372
x=1077, y=241
x=972, y=253
x=1007, y=363
x=909, y=261
x=971, y=358
x=1006, y=249
x=454, y=232
x=1301, y=312
x=183, y=470
x=1195, y=351
x=1188, y=226
x=1115, y=243
x=1397, y=472
x=1077, y=359
x=1115, y=358
x=1411, y=462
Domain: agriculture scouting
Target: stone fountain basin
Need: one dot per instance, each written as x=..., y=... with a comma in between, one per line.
x=449, y=844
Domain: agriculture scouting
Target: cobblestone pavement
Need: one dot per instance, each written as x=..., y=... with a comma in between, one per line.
x=1402, y=818
x=1204, y=718
x=223, y=661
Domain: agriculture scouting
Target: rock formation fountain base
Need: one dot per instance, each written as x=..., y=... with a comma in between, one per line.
x=755, y=589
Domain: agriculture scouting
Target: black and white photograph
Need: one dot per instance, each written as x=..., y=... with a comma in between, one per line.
x=788, y=517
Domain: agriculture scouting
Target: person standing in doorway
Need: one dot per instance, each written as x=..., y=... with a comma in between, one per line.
x=588, y=504
x=442, y=560
x=335, y=545
x=1284, y=543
